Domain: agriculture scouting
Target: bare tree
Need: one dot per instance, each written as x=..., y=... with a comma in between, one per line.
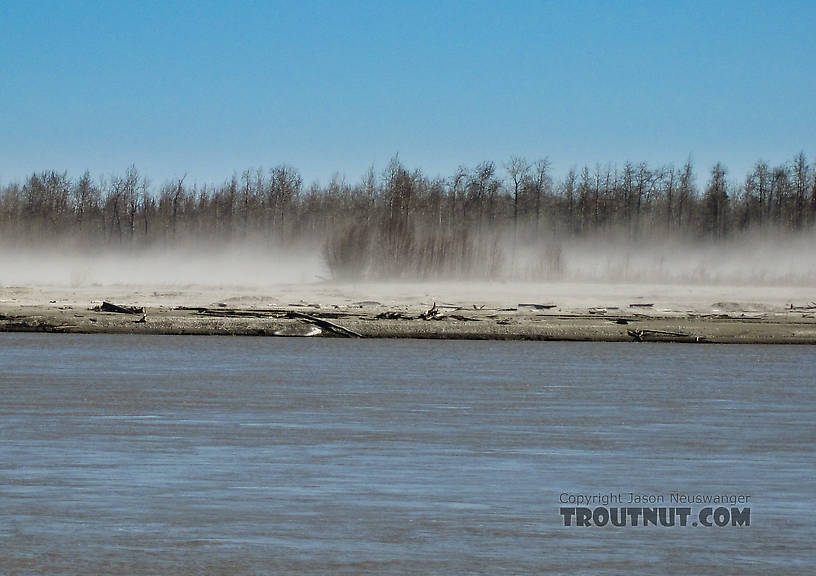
x=519, y=171
x=542, y=185
x=715, y=200
x=177, y=197
x=801, y=177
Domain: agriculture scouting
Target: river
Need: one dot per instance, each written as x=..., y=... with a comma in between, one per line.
x=169, y=454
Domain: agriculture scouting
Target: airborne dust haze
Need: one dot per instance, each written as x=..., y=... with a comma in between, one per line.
x=788, y=260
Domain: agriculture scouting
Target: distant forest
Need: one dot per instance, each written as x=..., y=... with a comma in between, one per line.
x=402, y=223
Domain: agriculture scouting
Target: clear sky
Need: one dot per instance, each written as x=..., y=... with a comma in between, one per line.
x=212, y=88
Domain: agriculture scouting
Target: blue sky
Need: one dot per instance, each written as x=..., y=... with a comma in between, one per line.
x=211, y=88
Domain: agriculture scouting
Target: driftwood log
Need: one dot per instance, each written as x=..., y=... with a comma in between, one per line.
x=110, y=307
x=326, y=325
x=431, y=314
x=641, y=335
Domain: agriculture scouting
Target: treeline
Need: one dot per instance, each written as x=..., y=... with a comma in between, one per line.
x=480, y=221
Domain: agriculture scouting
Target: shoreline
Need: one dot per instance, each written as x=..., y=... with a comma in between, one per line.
x=429, y=312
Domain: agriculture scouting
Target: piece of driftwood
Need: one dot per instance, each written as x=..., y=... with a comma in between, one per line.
x=461, y=318
x=392, y=315
x=640, y=305
x=538, y=306
x=431, y=314
x=110, y=307
x=711, y=316
x=325, y=324
x=436, y=314
x=636, y=335
x=641, y=335
x=446, y=306
x=232, y=312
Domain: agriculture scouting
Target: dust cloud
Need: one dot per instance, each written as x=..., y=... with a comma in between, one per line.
x=783, y=260
x=236, y=266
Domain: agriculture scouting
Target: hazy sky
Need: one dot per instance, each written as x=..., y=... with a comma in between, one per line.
x=211, y=88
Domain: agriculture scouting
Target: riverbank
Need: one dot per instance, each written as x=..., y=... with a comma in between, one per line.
x=555, y=311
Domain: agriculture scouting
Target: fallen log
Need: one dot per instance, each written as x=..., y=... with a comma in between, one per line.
x=325, y=324
x=110, y=307
x=640, y=335
x=229, y=312
x=448, y=306
x=392, y=315
x=461, y=318
x=811, y=306
x=431, y=314
x=235, y=312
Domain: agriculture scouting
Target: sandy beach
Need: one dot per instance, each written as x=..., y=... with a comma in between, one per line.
x=518, y=311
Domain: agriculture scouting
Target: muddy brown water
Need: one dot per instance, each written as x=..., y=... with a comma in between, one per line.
x=169, y=455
